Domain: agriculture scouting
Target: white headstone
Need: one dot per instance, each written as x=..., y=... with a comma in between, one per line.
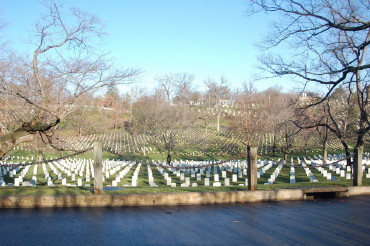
x=206, y=182
x=223, y=174
x=16, y=182
x=348, y=176
x=227, y=182
x=216, y=178
x=235, y=178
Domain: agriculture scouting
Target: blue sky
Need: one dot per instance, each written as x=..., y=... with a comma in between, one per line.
x=207, y=38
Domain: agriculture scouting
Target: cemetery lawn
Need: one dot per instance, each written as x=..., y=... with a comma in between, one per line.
x=62, y=190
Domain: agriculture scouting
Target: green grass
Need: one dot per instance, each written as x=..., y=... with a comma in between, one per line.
x=44, y=191
x=60, y=190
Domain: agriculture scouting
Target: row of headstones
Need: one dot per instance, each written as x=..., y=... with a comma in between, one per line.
x=337, y=164
x=110, y=171
x=110, y=141
x=239, y=170
x=275, y=174
x=123, y=173
x=207, y=179
x=57, y=170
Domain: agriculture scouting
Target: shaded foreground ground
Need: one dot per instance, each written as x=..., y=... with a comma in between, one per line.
x=321, y=222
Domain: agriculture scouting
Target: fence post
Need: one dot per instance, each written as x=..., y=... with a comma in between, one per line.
x=357, y=167
x=252, y=168
x=98, y=174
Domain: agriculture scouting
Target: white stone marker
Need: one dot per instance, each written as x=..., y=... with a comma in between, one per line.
x=216, y=178
x=206, y=182
x=187, y=181
x=79, y=182
x=235, y=178
x=223, y=174
x=328, y=176
x=16, y=182
x=227, y=182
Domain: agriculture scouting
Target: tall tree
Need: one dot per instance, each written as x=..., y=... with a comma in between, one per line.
x=329, y=46
x=37, y=92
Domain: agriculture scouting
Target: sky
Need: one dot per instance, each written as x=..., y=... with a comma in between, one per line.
x=207, y=38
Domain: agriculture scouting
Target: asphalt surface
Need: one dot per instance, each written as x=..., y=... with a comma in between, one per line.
x=321, y=222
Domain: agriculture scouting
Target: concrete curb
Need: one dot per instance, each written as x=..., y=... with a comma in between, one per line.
x=168, y=199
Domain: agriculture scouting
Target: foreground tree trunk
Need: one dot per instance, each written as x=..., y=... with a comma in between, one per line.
x=252, y=167
x=357, y=166
x=347, y=152
x=325, y=151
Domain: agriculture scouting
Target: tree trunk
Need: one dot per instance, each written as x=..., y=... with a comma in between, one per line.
x=348, y=153
x=357, y=166
x=325, y=151
x=357, y=161
x=169, y=156
x=286, y=157
x=252, y=167
x=274, y=146
x=218, y=122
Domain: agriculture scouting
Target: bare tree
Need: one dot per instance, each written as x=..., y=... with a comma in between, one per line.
x=251, y=121
x=167, y=84
x=37, y=92
x=216, y=91
x=329, y=42
x=184, y=91
x=337, y=114
x=163, y=123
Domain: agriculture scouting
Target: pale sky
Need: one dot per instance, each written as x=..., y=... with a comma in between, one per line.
x=207, y=38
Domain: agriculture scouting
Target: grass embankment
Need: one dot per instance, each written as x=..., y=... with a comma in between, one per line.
x=63, y=190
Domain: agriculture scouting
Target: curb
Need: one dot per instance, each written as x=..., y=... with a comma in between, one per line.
x=173, y=199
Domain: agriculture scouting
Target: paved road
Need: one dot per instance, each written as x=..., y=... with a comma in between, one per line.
x=321, y=222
